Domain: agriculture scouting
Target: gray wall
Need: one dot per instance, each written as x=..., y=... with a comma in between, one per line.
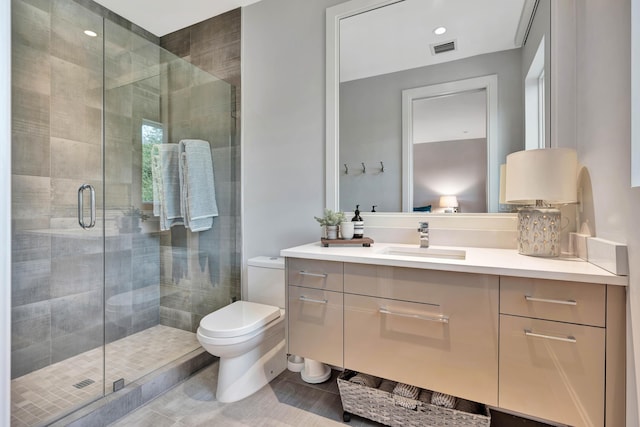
x=283, y=123
x=446, y=162
x=371, y=123
x=603, y=82
x=284, y=138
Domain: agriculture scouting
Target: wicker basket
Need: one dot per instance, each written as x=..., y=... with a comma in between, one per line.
x=378, y=405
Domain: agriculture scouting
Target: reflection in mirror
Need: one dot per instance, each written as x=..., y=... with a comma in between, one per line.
x=386, y=48
x=450, y=130
x=449, y=135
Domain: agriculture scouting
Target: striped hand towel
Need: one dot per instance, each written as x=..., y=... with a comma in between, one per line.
x=366, y=380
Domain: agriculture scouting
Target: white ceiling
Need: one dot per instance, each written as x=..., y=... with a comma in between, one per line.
x=162, y=17
x=450, y=118
x=398, y=37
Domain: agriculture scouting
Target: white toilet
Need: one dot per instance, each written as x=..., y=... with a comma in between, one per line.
x=248, y=336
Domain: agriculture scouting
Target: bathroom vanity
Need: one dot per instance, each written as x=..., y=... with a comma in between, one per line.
x=541, y=337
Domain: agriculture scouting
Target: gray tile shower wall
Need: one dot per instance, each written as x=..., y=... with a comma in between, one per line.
x=200, y=272
x=57, y=95
x=41, y=321
x=58, y=109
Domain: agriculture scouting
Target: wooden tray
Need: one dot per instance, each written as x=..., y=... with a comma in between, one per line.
x=364, y=241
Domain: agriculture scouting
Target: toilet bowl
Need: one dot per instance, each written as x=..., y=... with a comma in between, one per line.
x=249, y=336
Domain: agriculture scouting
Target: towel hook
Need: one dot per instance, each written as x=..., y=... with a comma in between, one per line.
x=346, y=169
x=364, y=168
x=381, y=166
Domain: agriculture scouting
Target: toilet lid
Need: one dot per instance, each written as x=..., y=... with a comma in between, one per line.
x=239, y=318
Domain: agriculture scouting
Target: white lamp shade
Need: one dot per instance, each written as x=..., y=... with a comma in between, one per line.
x=503, y=184
x=548, y=174
x=448, y=202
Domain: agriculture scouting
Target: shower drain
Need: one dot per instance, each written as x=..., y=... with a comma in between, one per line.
x=84, y=383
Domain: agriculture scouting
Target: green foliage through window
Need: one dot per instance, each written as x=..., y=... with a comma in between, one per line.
x=152, y=133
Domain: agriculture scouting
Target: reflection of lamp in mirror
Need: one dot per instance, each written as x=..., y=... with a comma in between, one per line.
x=449, y=203
x=548, y=176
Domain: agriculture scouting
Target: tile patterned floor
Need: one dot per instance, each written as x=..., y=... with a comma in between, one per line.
x=44, y=395
x=286, y=401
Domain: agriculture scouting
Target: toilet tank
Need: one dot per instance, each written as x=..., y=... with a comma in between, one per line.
x=265, y=281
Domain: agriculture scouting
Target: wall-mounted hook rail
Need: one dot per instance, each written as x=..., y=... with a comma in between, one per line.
x=346, y=169
x=364, y=168
x=381, y=167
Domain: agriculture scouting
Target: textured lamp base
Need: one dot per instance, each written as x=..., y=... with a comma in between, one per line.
x=539, y=231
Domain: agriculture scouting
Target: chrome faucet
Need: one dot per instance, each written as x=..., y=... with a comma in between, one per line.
x=424, y=234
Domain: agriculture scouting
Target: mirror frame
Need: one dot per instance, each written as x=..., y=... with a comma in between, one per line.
x=332, y=126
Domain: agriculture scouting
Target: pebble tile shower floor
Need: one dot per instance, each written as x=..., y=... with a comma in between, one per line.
x=43, y=395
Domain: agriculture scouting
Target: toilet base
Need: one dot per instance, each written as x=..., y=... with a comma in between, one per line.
x=241, y=376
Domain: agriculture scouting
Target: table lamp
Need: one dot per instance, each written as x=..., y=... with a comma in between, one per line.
x=449, y=203
x=548, y=176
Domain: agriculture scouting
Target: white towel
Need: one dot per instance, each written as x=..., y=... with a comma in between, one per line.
x=366, y=380
x=165, y=161
x=406, y=395
x=197, y=195
x=444, y=400
x=406, y=390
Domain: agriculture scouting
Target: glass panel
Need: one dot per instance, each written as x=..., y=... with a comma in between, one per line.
x=57, y=285
x=159, y=284
x=121, y=281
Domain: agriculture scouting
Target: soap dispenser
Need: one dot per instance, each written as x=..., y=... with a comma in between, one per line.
x=358, y=224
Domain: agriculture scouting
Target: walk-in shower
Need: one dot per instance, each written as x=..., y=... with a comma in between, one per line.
x=101, y=296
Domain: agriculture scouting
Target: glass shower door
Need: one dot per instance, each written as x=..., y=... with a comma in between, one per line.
x=57, y=280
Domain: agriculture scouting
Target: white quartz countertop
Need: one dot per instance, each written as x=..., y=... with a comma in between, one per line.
x=505, y=262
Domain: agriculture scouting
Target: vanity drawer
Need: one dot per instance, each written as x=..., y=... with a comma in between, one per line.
x=315, y=324
x=452, y=347
x=417, y=285
x=315, y=274
x=572, y=302
x=558, y=380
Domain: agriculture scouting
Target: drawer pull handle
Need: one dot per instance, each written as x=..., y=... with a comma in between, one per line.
x=528, y=333
x=441, y=318
x=304, y=273
x=307, y=299
x=552, y=301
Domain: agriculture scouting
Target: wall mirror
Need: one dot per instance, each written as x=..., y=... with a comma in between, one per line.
x=402, y=126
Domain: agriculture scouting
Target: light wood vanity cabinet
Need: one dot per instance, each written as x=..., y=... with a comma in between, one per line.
x=315, y=310
x=553, y=350
x=572, y=302
x=433, y=329
x=559, y=343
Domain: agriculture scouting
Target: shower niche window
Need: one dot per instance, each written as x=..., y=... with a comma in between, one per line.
x=91, y=307
x=152, y=134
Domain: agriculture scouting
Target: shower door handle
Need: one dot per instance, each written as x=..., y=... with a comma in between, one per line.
x=92, y=210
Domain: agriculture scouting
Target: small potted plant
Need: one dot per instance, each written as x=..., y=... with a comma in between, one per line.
x=330, y=221
x=130, y=221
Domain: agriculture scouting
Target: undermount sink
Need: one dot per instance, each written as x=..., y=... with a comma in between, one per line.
x=425, y=252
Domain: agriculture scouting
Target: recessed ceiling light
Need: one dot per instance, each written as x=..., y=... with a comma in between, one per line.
x=439, y=31
x=91, y=33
